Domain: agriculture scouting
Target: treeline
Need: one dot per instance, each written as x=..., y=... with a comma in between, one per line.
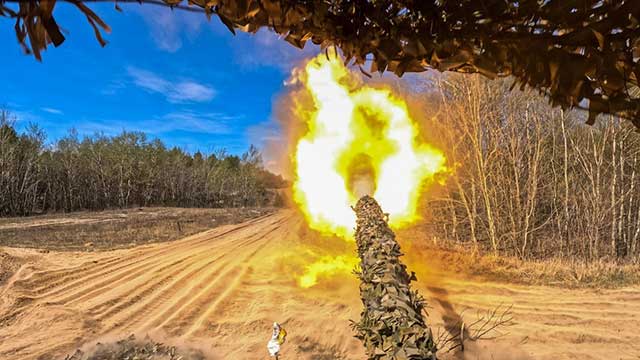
x=99, y=172
x=532, y=181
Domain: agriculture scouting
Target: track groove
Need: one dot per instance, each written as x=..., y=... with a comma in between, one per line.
x=80, y=273
x=203, y=286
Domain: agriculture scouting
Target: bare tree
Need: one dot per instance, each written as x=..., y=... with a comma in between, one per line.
x=98, y=172
x=531, y=181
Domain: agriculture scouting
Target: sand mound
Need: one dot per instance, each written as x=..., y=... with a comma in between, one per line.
x=132, y=348
x=8, y=266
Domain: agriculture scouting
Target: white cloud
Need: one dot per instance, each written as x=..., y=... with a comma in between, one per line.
x=52, y=110
x=167, y=26
x=21, y=114
x=148, y=80
x=266, y=48
x=24, y=116
x=184, y=120
x=193, y=91
x=203, y=122
x=175, y=92
x=170, y=28
x=113, y=87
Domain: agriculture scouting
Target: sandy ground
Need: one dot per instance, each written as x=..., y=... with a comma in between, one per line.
x=220, y=290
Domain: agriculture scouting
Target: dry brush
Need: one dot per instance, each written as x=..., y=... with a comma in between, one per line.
x=530, y=181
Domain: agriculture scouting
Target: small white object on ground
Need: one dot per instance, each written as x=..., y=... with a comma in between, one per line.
x=277, y=338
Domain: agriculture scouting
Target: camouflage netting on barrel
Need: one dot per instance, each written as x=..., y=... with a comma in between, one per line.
x=392, y=325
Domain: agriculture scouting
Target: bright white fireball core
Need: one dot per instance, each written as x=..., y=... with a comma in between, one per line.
x=351, y=131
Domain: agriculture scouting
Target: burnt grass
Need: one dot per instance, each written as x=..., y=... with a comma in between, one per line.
x=116, y=229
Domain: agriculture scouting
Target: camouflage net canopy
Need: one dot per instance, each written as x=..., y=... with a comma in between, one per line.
x=392, y=326
x=578, y=53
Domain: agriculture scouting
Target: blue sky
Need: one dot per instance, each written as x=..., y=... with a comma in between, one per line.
x=171, y=74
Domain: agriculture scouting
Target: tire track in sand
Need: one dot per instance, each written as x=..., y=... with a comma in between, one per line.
x=145, y=304
x=89, y=271
x=200, y=288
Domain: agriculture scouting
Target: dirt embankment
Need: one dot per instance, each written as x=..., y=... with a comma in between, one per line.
x=8, y=266
x=220, y=290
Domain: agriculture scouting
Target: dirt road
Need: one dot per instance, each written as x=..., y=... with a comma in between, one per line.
x=220, y=291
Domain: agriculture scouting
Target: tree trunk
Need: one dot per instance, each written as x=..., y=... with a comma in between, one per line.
x=392, y=326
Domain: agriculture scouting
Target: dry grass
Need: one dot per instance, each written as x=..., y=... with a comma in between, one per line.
x=113, y=229
x=553, y=272
x=421, y=248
